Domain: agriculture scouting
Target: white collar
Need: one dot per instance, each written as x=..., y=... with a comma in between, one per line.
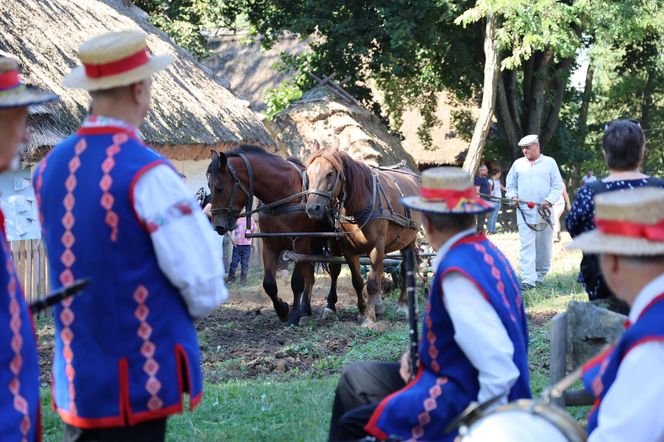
x=649, y=292
x=448, y=245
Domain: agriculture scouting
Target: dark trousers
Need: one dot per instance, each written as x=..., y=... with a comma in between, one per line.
x=361, y=388
x=150, y=431
x=241, y=255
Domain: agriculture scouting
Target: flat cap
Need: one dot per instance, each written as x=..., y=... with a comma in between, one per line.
x=528, y=140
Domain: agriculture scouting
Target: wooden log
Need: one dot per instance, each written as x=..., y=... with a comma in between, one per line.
x=295, y=235
x=578, y=398
x=558, y=355
x=364, y=260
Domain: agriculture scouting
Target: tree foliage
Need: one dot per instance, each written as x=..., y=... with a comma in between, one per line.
x=183, y=20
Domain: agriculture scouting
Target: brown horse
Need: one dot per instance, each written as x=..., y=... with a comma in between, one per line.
x=365, y=202
x=234, y=179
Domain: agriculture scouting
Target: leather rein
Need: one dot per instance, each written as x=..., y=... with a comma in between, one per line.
x=281, y=206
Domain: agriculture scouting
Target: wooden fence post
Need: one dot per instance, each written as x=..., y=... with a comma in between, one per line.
x=558, y=355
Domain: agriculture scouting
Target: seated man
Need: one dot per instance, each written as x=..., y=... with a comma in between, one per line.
x=474, y=337
x=627, y=380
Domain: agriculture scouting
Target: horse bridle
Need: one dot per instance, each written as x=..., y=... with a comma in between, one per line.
x=229, y=210
x=329, y=195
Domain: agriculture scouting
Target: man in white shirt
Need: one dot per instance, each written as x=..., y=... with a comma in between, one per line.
x=627, y=380
x=535, y=178
x=589, y=178
x=474, y=341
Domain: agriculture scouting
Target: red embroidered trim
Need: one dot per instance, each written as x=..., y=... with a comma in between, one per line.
x=66, y=276
x=371, y=427
x=151, y=366
x=429, y=404
x=38, y=185
x=132, y=187
x=107, y=200
x=500, y=285
x=517, y=290
x=431, y=337
x=15, y=324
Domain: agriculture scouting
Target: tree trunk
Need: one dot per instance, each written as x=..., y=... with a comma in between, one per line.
x=505, y=120
x=646, y=104
x=491, y=73
x=535, y=106
x=561, y=79
x=582, y=122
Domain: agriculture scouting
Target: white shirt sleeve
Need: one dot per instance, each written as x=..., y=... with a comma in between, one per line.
x=631, y=409
x=557, y=184
x=187, y=249
x=481, y=335
x=511, y=183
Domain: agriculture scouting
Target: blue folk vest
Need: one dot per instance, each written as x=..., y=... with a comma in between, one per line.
x=600, y=373
x=126, y=348
x=447, y=382
x=19, y=363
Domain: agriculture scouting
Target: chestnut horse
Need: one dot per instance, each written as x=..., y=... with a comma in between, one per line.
x=365, y=203
x=234, y=179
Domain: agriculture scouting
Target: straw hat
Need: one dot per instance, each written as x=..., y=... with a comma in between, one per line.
x=13, y=93
x=114, y=59
x=447, y=190
x=628, y=223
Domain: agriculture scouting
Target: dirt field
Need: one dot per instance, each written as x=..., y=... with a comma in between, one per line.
x=244, y=339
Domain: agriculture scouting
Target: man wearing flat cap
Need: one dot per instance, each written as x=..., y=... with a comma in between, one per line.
x=627, y=380
x=117, y=212
x=534, y=179
x=19, y=363
x=474, y=342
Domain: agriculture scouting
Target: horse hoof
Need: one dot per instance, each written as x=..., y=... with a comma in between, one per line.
x=367, y=323
x=380, y=307
x=328, y=313
x=304, y=320
x=402, y=311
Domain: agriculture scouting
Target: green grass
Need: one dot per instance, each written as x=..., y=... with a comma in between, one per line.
x=295, y=405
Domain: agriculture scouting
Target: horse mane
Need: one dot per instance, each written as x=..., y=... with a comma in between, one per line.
x=247, y=149
x=296, y=161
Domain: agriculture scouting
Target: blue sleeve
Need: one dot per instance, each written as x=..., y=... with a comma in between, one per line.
x=581, y=216
x=478, y=181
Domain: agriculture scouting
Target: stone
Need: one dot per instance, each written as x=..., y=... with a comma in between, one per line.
x=589, y=330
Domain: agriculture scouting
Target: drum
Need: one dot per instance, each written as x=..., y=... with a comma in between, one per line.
x=523, y=421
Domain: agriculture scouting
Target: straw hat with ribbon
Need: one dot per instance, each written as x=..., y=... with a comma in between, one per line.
x=114, y=59
x=13, y=93
x=627, y=223
x=447, y=190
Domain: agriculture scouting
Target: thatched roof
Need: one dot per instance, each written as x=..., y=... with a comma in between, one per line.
x=190, y=110
x=448, y=147
x=249, y=68
x=323, y=116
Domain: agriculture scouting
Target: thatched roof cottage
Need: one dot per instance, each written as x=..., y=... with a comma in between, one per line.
x=191, y=112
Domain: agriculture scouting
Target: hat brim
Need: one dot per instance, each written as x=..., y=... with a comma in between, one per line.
x=597, y=242
x=467, y=207
x=25, y=96
x=77, y=78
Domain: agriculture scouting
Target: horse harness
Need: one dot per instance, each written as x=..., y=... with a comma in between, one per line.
x=232, y=212
x=276, y=208
x=371, y=212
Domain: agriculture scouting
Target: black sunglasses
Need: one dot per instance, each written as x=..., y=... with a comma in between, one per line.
x=607, y=125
